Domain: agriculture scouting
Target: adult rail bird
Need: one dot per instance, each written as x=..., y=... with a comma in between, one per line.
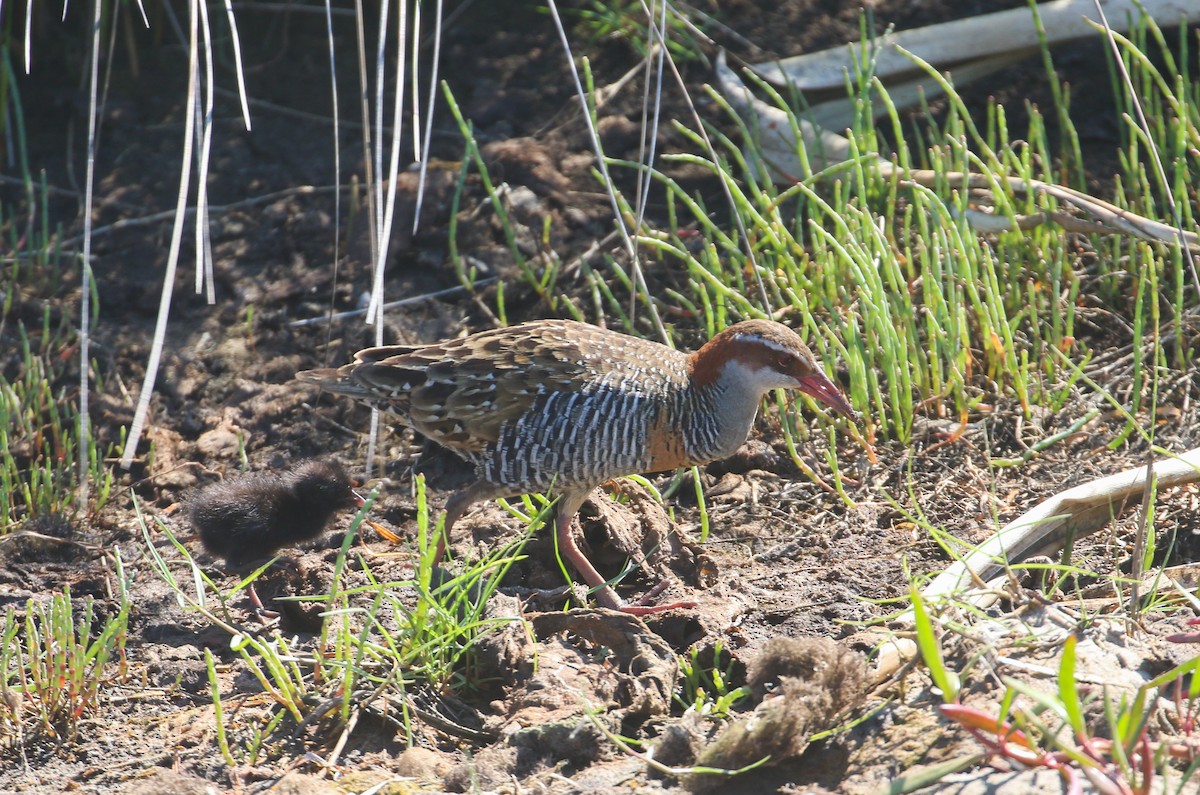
x=555, y=405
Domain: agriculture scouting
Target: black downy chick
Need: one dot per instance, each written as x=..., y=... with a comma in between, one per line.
x=250, y=517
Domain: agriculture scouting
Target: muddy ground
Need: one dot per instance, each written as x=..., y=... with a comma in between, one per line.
x=786, y=559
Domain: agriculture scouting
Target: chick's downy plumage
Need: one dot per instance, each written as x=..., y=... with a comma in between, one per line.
x=251, y=516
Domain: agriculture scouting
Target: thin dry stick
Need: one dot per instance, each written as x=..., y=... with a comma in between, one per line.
x=198, y=16
x=375, y=186
x=664, y=53
x=384, y=231
x=1110, y=219
x=365, y=110
x=204, y=256
x=108, y=63
x=164, y=303
x=649, y=131
x=312, y=321
x=237, y=63
x=1155, y=157
x=1139, y=547
x=213, y=209
x=337, y=171
x=711, y=151
x=29, y=36
x=414, y=48
x=284, y=110
x=85, y=306
x=433, y=78
x=374, y=310
x=638, y=277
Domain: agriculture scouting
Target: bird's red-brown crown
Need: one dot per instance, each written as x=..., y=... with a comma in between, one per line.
x=770, y=353
x=756, y=344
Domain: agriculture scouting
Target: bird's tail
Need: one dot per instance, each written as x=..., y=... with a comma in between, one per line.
x=336, y=380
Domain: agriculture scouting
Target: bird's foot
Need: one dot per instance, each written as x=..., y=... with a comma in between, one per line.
x=606, y=597
x=265, y=615
x=649, y=610
x=654, y=592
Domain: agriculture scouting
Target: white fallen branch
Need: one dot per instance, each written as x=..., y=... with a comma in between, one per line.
x=1102, y=217
x=774, y=132
x=1045, y=529
x=839, y=113
x=971, y=39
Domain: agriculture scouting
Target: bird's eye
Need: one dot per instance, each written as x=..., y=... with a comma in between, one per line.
x=786, y=361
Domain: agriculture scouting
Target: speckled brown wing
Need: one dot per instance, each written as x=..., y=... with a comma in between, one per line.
x=460, y=392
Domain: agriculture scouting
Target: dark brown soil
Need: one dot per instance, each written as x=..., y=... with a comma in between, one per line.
x=786, y=559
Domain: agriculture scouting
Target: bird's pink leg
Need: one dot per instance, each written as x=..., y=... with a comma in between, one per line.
x=568, y=506
x=260, y=610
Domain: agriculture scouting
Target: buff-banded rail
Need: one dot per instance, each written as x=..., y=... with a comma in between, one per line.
x=561, y=406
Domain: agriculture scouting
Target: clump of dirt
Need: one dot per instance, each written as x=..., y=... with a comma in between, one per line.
x=588, y=663
x=48, y=538
x=804, y=686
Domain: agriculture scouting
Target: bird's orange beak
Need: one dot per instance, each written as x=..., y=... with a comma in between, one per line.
x=820, y=387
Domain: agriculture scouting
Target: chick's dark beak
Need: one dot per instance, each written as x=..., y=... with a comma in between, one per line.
x=820, y=387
